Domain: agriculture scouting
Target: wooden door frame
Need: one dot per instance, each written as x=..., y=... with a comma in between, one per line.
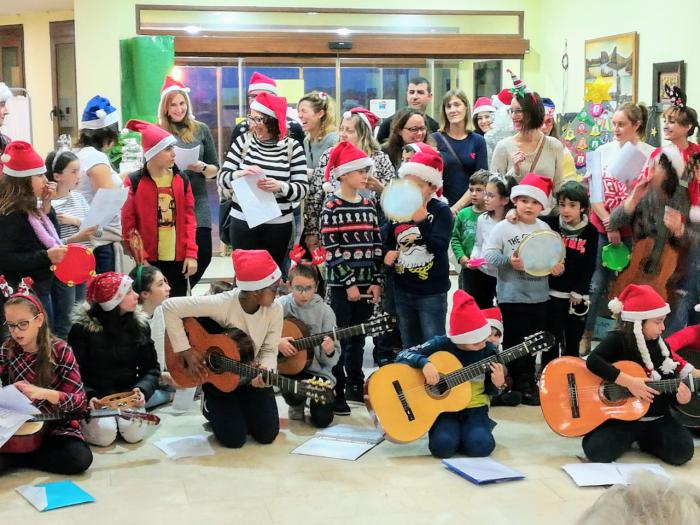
x=60, y=32
x=13, y=36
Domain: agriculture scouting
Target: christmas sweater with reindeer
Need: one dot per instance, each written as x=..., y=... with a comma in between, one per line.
x=350, y=235
x=422, y=266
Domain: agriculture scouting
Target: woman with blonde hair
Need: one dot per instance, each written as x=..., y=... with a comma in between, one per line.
x=463, y=151
x=175, y=116
x=317, y=116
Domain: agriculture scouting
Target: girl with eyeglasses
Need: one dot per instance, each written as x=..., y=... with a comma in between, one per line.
x=45, y=370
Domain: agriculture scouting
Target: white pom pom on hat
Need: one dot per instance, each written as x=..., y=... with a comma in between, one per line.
x=615, y=305
x=101, y=113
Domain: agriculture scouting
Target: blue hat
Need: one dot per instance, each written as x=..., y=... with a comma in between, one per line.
x=98, y=113
x=548, y=103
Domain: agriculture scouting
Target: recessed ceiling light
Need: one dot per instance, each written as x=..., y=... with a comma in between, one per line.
x=343, y=31
x=192, y=30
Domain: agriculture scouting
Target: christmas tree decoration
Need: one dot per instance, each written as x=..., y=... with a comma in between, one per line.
x=569, y=134
x=595, y=130
x=582, y=144
x=598, y=91
x=595, y=110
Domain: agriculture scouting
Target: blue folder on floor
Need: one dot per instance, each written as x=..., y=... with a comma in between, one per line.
x=49, y=496
x=482, y=470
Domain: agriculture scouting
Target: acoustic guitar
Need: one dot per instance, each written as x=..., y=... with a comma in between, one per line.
x=689, y=414
x=405, y=407
x=306, y=343
x=30, y=435
x=574, y=400
x=222, y=357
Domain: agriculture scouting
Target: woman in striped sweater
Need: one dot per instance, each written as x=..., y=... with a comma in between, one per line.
x=280, y=164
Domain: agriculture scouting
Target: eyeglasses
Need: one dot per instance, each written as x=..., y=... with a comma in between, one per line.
x=416, y=129
x=22, y=325
x=255, y=120
x=303, y=289
x=515, y=111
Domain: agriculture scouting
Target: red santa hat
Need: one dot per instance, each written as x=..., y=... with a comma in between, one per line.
x=108, y=290
x=468, y=325
x=534, y=186
x=405, y=229
x=504, y=97
x=154, y=139
x=260, y=82
x=20, y=160
x=365, y=115
x=636, y=303
x=272, y=106
x=483, y=104
x=426, y=165
x=344, y=158
x=254, y=269
x=494, y=317
x=420, y=146
x=170, y=85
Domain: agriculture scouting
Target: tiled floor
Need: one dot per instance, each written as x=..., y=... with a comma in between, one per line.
x=266, y=485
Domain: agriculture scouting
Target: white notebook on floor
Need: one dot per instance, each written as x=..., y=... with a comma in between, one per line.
x=341, y=442
x=603, y=474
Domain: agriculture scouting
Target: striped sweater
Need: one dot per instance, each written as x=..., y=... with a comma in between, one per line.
x=276, y=162
x=73, y=204
x=350, y=234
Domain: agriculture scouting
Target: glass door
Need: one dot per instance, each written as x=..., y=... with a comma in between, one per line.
x=64, y=112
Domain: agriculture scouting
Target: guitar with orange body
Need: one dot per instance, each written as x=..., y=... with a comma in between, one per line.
x=574, y=400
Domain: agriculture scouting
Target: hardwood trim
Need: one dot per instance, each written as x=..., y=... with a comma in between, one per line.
x=13, y=36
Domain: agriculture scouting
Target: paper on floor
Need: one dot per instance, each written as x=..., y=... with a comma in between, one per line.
x=482, y=470
x=597, y=474
x=185, y=446
x=49, y=496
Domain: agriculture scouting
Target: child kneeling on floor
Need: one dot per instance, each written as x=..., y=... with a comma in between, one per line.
x=468, y=431
x=304, y=304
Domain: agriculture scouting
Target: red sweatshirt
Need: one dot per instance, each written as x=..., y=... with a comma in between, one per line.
x=689, y=337
x=140, y=212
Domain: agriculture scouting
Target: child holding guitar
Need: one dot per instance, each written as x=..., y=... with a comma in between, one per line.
x=642, y=313
x=251, y=307
x=470, y=430
x=304, y=304
x=44, y=369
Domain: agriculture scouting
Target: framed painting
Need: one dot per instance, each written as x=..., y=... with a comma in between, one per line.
x=615, y=58
x=671, y=73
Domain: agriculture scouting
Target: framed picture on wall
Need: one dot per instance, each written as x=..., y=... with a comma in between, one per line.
x=487, y=78
x=615, y=59
x=671, y=73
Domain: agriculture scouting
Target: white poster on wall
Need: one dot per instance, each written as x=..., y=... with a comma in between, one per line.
x=383, y=107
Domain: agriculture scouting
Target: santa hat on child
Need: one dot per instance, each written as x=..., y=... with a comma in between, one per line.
x=483, y=104
x=5, y=93
x=98, y=113
x=549, y=106
x=20, y=160
x=504, y=98
x=344, y=158
x=417, y=147
x=534, y=186
x=426, y=165
x=272, y=106
x=365, y=115
x=154, y=139
x=170, y=85
x=260, y=82
x=494, y=317
x=254, y=269
x=468, y=325
x=108, y=290
x=636, y=303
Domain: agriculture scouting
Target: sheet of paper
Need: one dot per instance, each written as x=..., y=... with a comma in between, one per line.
x=10, y=422
x=482, y=470
x=186, y=156
x=352, y=433
x=185, y=446
x=49, y=496
x=597, y=474
x=595, y=172
x=627, y=470
x=12, y=399
x=628, y=165
x=105, y=205
x=333, y=448
x=258, y=206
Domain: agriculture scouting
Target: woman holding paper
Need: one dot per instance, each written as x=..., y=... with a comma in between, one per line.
x=160, y=207
x=265, y=172
x=175, y=116
x=607, y=192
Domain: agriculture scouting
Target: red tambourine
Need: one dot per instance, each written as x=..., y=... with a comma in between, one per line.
x=77, y=266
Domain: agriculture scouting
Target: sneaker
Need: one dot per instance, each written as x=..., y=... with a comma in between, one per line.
x=296, y=412
x=584, y=346
x=530, y=395
x=355, y=394
x=340, y=406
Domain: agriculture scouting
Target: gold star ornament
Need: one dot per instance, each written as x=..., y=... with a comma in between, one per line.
x=598, y=91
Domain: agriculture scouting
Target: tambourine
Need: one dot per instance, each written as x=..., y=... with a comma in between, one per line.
x=540, y=252
x=616, y=257
x=117, y=401
x=401, y=199
x=77, y=266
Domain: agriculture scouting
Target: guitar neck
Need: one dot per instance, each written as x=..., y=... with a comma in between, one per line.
x=670, y=386
x=308, y=343
x=248, y=372
x=471, y=372
x=67, y=416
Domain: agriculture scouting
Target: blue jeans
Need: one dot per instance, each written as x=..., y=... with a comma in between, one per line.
x=468, y=431
x=420, y=316
x=683, y=313
x=64, y=299
x=104, y=258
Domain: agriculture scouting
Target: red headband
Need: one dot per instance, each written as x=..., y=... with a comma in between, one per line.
x=23, y=291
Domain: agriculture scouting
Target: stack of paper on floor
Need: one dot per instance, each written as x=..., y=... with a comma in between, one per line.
x=15, y=410
x=341, y=442
x=597, y=474
x=482, y=470
x=49, y=496
x=185, y=446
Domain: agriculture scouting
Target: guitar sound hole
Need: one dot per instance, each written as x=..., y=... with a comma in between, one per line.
x=613, y=393
x=440, y=389
x=214, y=359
